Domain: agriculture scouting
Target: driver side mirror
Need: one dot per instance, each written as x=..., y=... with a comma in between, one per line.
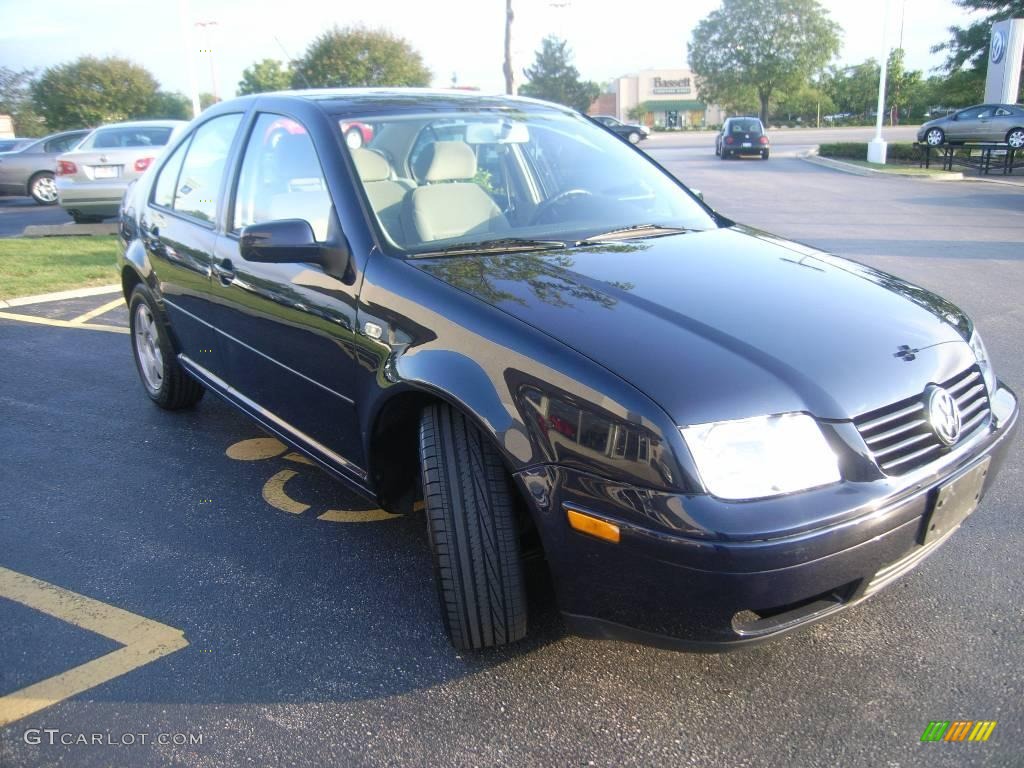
x=291, y=241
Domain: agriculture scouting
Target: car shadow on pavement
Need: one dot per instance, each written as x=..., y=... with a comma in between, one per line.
x=143, y=510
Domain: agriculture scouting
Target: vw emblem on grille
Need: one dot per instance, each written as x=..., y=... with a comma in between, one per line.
x=943, y=415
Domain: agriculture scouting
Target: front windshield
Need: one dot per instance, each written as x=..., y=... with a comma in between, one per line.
x=441, y=181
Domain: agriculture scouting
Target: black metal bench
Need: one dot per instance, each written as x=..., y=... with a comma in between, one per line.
x=983, y=156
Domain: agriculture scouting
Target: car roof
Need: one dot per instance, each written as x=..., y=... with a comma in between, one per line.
x=143, y=124
x=366, y=101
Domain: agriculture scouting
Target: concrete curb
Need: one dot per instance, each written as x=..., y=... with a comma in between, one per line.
x=856, y=170
x=76, y=293
x=69, y=230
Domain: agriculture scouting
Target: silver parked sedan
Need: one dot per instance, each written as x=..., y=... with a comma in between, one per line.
x=983, y=122
x=92, y=179
x=30, y=170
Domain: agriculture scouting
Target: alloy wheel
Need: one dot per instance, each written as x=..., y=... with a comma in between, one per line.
x=44, y=189
x=147, y=348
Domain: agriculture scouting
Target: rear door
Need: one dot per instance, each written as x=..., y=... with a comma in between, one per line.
x=178, y=227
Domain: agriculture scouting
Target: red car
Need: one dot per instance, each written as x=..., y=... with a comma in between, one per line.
x=357, y=134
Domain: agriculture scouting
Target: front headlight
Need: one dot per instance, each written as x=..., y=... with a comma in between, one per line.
x=763, y=456
x=981, y=355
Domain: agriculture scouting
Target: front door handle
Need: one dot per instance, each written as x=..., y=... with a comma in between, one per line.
x=224, y=270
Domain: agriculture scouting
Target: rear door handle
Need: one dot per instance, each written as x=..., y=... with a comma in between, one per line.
x=224, y=270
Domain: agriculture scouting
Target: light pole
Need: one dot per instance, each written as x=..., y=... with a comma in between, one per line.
x=877, y=147
x=208, y=37
x=184, y=13
x=510, y=82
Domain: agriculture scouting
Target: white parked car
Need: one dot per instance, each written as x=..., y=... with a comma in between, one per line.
x=91, y=180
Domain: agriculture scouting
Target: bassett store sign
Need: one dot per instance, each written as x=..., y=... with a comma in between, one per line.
x=661, y=85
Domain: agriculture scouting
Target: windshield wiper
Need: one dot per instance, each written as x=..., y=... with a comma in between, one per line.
x=502, y=245
x=636, y=230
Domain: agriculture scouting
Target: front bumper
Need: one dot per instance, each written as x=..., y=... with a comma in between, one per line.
x=708, y=590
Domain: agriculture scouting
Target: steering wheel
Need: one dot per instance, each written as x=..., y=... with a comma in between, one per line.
x=561, y=197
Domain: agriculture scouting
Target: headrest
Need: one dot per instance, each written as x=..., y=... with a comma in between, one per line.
x=370, y=165
x=450, y=161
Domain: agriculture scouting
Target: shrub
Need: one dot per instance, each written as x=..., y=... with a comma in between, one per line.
x=858, y=150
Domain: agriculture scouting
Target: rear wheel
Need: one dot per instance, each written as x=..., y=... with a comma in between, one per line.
x=354, y=138
x=43, y=188
x=166, y=382
x=1015, y=138
x=634, y=137
x=764, y=154
x=473, y=534
x=81, y=218
x=724, y=155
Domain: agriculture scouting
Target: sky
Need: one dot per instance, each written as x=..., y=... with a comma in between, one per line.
x=460, y=38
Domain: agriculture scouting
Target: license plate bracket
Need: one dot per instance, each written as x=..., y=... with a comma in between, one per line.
x=106, y=171
x=955, y=501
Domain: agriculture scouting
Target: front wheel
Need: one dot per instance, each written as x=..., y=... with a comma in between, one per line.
x=935, y=137
x=634, y=138
x=1015, y=138
x=471, y=523
x=43, y=188
x=166, y=382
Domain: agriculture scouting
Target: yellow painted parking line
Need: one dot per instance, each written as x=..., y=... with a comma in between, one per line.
x=100, y=310
x=356, y=515
x=298, y=458
x=275, y=495
x=144, y=640
x=256, y=448
x=61, y=323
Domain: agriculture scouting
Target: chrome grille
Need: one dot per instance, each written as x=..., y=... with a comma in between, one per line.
x=901, y=439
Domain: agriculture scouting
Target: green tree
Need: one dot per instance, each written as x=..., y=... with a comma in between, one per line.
x=16, y=101
x=554, y=78
x=761, y=44
x=901, y=85
x=263, y=76
x=803, y=103
x=91, y=91
x=854, y=89
x=168, y=105
x=967, y=48
x=357, y=56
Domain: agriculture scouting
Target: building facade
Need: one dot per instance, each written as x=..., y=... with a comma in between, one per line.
x=665, y=98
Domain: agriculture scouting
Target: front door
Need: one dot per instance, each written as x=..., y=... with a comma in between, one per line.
x=289, y=327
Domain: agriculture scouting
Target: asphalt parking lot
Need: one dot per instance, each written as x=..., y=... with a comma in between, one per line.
x=309, y=620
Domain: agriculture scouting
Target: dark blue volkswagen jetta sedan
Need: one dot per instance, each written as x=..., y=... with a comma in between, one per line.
x=712, y=435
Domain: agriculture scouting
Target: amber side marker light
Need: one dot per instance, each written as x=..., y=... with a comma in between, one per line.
x=594, y=526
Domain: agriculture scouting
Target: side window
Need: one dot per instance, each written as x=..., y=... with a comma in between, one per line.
x=199, y=180
x=281, y=177
x=167, y=181
x=62, y=143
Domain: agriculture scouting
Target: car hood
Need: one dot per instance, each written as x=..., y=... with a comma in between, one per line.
x=729, y=323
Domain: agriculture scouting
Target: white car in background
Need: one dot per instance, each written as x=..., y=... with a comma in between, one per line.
x=91, y=179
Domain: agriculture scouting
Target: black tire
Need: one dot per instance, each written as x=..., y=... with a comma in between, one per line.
x=81, y=218
x=175, y=389
x=41, y=188
x=725, y=154
x=764, y=154
x=473, y=534
x=1015, y=138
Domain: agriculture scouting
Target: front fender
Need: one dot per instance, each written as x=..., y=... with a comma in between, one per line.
x=540, y=401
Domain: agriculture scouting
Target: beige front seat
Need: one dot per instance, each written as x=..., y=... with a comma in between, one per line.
x=386, y=195
x=451, y=204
